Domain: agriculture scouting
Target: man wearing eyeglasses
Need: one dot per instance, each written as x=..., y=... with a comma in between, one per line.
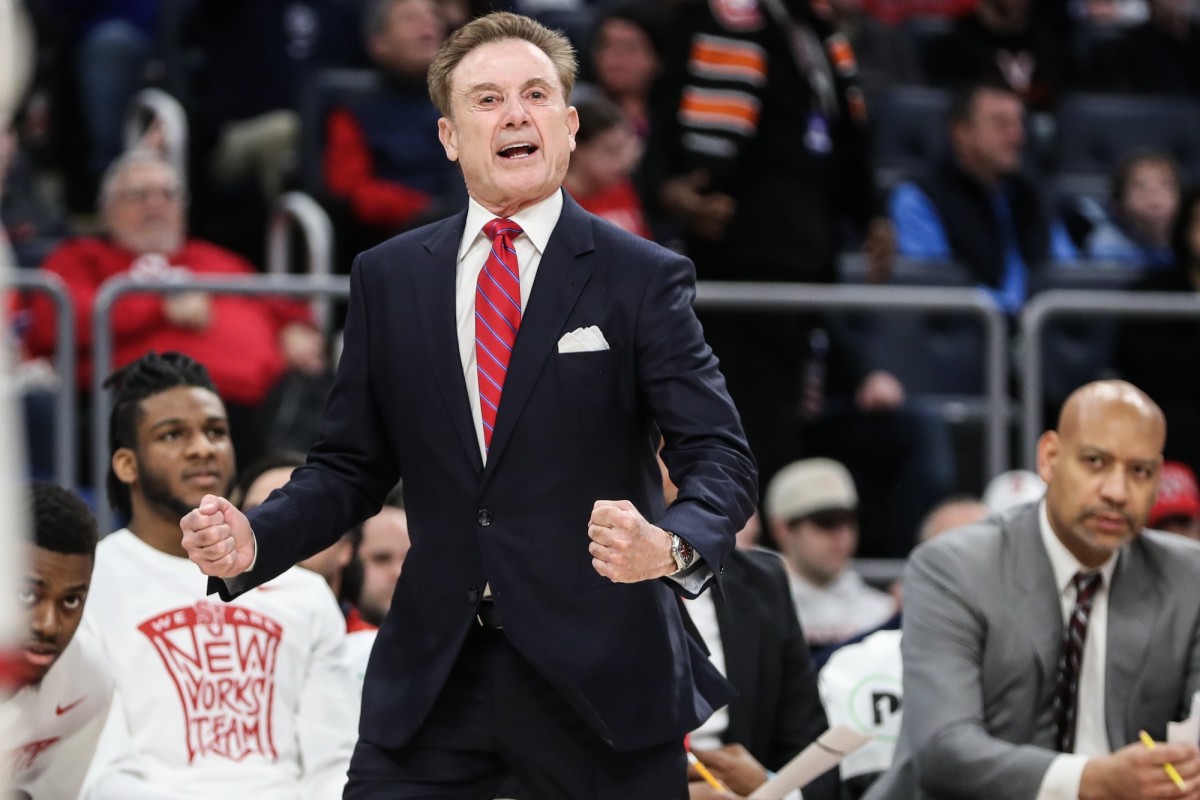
x=143, y=211
x=812, y=513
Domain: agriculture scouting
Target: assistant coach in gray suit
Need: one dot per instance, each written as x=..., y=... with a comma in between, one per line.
x=998, y=704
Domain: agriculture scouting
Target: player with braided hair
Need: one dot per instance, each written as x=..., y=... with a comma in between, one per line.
x=212, y=699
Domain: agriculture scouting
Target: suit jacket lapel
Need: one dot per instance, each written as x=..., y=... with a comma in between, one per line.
x=560, y=279
x=1134, y=601
x=1037, y=598
x=441, y=328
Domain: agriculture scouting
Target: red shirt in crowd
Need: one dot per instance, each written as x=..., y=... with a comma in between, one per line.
x=619, y=204
x=240, y=347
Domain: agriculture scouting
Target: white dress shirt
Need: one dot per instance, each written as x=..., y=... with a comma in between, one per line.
x=537, y=223
x=1061, y=781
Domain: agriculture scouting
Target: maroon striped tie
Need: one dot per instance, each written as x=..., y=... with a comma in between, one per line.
x=1070, y=659
x=497, y=318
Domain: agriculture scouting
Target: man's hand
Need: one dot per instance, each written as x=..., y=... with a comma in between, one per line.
x=625, y=547
x=191, y=310
x=706, y=214
x=1135, y=772
x=733, y=766
x=217, y=537
x=303, y=348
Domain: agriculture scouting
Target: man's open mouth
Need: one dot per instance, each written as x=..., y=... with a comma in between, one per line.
x=517, y=150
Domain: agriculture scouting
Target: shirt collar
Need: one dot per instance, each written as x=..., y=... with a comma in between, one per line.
x=1064, y=564
x=537, y=221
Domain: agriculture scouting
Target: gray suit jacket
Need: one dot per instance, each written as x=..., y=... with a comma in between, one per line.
x=982, y=623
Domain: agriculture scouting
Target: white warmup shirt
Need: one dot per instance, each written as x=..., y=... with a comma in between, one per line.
x=58, y=721
x=247, y=699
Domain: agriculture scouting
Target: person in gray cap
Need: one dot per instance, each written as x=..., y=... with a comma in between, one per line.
x=812, y=513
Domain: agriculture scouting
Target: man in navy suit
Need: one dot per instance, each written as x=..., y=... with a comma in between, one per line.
x=536, y=627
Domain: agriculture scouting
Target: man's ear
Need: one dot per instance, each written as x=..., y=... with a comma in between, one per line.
x=448, y=137
x=125, y=466
x=572, y=126
x=1048, y=448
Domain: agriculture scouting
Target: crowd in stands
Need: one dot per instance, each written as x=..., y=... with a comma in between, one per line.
x=741, y=134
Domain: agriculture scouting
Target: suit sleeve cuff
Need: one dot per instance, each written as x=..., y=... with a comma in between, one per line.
x=239, y=583
x=694, y=579
x=1061, y=781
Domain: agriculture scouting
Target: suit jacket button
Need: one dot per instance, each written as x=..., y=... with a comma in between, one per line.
x=473, y=595
x=483, y=517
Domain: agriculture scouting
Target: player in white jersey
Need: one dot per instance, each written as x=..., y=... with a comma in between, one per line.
x=65, y=688
x=250, y=699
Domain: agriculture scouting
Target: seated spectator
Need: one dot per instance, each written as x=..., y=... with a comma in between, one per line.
x=811, y=510
x=1177, y=505
x=381, y=551
x=382, y=154
x=1154, y=354
x=246, y=67
x=861, y=682
x=1003, y=41
x=1136, y=230
x=754, y=638
x=250, y=341
x=626, y=59
x=251, y=698
x=1013, y=488
x=64, y=686
x=600, y=173
x=1041, y=641
x=380, y=547
x=976, y=206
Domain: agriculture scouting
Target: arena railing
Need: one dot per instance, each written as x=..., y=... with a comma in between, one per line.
x=330, y=286
x=795, y=297
x=156, y=105
x=316, y=229
x=764, y=297
x=1056, y=303
x=36, y=280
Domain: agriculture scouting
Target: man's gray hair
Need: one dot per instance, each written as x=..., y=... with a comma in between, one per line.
x=139, y=155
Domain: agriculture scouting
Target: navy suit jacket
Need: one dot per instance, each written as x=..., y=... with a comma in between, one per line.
x=572, y=428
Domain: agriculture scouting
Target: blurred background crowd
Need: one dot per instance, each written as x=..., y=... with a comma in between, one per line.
x=1003, y=144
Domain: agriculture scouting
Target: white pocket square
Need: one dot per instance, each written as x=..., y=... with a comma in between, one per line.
x=582, y=340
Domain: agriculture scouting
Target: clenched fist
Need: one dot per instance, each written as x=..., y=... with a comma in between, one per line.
x=217, y=537
x=625, y=547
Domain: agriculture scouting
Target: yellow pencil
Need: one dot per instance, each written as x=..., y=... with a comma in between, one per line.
x=1168, y=767
x=709, y=778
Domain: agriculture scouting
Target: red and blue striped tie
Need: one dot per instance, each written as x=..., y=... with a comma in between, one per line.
x=497, y=318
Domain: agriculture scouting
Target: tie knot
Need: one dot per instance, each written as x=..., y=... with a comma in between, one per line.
x=1086, y=584
x=502, y=227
